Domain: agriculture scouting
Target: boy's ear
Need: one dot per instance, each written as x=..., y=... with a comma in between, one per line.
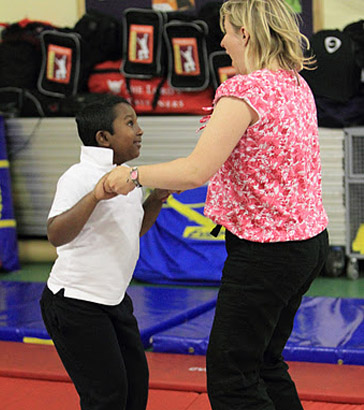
x=102, y=139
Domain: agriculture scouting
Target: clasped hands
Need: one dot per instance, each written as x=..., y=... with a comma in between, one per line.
x=118, y=181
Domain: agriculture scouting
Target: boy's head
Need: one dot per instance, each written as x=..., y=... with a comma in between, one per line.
x=111, y=122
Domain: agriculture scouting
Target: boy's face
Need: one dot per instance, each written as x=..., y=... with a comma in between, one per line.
x=126, y=141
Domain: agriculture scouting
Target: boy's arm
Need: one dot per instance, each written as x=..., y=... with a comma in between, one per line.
x=63, y=228
x=152, y=206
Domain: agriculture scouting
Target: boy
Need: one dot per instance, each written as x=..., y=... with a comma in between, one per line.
x=85, y=307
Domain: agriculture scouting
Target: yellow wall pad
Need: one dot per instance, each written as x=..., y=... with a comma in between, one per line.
x=36, y=250
x=7, y=223
x=358, y=243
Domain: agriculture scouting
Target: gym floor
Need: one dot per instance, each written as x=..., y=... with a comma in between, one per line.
x=32, y=376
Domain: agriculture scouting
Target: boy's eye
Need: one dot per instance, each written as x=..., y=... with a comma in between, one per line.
x=130, y=123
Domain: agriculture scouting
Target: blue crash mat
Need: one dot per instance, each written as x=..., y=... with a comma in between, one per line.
x=188, y=338
x=20, y=312
x=326, y=330
x=156, y=309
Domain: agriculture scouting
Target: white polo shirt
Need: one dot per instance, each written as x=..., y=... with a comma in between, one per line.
x=98, y=265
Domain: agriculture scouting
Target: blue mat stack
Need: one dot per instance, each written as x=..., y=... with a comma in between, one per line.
x=156, y=309
x=326, y=330
x=178, y=320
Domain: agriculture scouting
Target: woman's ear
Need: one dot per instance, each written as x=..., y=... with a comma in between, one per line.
x=102, y=139
x=244, y=35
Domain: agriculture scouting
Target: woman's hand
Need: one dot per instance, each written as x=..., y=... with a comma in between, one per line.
x=118, y=181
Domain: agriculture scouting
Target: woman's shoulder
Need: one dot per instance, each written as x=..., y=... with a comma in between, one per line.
x=242, y=79
x=256, y=78
x=238, y=85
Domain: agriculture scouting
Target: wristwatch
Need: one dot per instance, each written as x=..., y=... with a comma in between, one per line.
x=134, y=175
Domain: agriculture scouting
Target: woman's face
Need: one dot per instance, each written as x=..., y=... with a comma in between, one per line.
x=235, y=44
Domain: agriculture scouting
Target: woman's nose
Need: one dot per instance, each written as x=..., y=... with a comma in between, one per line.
x=222, y=42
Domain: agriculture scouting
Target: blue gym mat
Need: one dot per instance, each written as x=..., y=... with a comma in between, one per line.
x=156, y=309
x=326, y=330
x=188, y=338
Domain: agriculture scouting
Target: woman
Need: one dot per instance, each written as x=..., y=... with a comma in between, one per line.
x=260, y=152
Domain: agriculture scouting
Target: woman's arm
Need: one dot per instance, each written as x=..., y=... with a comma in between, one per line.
x=230, y=119
x=63, y=228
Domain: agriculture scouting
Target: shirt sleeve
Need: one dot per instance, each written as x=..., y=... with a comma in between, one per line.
x=70, y=189
x=247, y=88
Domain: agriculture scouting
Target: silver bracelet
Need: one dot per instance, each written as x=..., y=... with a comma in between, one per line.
x=134, y=176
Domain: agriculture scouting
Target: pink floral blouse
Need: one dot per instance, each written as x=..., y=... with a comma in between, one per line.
x=269, y=189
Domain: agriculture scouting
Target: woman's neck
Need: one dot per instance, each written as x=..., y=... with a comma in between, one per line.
x=274, y=66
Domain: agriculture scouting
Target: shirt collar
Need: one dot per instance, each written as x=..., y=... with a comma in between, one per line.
x=102, y=157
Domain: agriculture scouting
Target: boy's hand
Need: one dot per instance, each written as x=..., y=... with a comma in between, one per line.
x=99, y=191
x=162, y=194
x=118, y=181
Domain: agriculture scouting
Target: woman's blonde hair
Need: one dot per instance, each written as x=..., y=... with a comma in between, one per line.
x=274, y=32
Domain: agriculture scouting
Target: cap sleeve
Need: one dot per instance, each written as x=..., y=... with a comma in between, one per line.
x=247, y=88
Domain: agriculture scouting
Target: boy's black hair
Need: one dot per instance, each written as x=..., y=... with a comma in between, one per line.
x=97, y=116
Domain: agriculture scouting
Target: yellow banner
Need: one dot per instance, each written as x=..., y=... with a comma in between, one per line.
x=201, y=232
x=7, y=223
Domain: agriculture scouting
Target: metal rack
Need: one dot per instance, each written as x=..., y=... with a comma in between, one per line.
x=354, y=198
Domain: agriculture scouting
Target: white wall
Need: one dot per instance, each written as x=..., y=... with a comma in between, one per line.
x=63, y=13
x=338, y=13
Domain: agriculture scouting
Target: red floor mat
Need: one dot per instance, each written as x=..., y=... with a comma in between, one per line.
x=328, y=382
x=31, y=361
x=202, y=403
x=19, y=394
x=177, y=372
x=170, y=400
x=320, y=405
x=31, y=394
x=314, y=381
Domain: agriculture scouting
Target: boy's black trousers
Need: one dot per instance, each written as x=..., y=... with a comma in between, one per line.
x=101, y=349
x=261, y=290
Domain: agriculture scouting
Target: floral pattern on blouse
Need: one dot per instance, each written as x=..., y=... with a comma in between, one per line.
x=269, y=189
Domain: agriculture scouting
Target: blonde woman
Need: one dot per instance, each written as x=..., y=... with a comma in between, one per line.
x=260, y=154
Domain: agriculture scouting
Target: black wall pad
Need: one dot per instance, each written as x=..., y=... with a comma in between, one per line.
x=19, y=102
x=337, y=75
x=143, y=49
x=356, y=32
x=101, y=38
x=210, y=14
x=188, y=68
x=61, y=63
x=220, y=67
